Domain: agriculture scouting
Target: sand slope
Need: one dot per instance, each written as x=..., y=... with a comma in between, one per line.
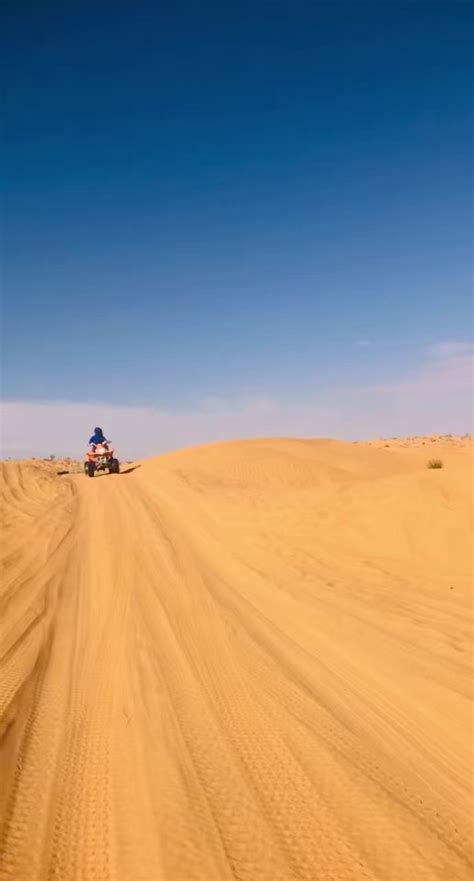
x=248, y=660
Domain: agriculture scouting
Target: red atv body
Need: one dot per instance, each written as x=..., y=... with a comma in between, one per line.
x=101, y=459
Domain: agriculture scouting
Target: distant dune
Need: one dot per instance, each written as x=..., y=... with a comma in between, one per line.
x=247, y=660
x=436, y=441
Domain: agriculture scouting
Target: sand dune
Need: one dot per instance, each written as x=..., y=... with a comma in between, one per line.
x=247, y=660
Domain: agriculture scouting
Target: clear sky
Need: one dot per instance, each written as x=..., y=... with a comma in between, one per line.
x=235, y=219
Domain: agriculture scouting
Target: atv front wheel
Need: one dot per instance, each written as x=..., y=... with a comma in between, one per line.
x=89, y=469
x=114, y=467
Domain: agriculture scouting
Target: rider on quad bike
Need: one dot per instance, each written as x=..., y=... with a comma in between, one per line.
x=97, y=438
x=100, y=455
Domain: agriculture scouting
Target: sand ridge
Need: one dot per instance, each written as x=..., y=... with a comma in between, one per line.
x=246, y=660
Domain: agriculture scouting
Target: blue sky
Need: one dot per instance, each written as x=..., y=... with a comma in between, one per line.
x=245, y=209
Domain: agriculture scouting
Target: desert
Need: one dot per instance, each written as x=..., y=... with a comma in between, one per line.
x=244, y=660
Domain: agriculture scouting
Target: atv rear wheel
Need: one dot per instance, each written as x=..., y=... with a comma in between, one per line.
x=89, y=469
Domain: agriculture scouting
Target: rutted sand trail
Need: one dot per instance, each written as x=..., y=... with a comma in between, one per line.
x=245, y=661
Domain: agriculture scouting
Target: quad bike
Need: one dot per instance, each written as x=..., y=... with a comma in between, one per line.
x=101, y=459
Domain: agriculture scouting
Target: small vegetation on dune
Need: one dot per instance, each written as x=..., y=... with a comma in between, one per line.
x=435, y=463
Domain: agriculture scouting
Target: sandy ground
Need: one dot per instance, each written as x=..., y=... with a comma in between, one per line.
x=249, y=660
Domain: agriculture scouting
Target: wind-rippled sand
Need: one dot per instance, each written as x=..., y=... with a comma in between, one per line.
x=243, y=661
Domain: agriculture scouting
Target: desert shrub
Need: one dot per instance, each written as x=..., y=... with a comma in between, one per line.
x=435, y=463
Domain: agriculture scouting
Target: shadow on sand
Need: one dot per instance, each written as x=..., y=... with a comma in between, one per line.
x=130, y=469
